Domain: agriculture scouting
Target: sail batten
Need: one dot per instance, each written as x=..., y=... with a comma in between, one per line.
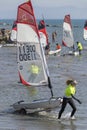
x=31, y=66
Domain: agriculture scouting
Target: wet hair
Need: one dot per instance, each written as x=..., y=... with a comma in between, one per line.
x=72, y=82
x=69, y=81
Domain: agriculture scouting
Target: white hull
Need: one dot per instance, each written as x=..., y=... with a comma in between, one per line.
x=54, y=52
x=76, y=53
x=38, y=105
x=9, y=45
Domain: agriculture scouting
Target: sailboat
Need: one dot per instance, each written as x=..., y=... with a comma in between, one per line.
x=32, y=66
x=68, y=38
x=85, y=31
x=44, y=37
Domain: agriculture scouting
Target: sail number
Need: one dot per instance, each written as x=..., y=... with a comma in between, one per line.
x=27, y=52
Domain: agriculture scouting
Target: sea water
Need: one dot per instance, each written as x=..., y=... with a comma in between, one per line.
x=61, y=68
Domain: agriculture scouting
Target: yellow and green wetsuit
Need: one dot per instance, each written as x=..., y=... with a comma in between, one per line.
x=69, y=91
x=80, y=46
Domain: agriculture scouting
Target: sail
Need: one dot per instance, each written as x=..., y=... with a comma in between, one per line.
x=68, y=39
x=14, y=31
x=31, y=61
x=43, y=33
x=85, y=31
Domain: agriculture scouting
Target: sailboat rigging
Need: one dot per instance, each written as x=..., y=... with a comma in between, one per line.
x=29, y=48
x=32, y=66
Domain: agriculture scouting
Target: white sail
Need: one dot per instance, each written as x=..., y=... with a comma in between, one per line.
x=31, y=66
x=85, y=31
x=68, y=39
x=14, y=32
x=43, y=33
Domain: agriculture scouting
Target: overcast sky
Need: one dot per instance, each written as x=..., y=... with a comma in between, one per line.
x=51, y=9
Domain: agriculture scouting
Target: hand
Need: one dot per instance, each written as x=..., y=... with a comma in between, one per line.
x=79, y=101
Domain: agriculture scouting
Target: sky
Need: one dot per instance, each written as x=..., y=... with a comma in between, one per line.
x=50, y=9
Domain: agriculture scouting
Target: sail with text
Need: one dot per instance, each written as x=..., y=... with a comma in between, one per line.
x=32, y=67
x=85, y=31
x=13, y=36
x=43, y=33
x=68, y=39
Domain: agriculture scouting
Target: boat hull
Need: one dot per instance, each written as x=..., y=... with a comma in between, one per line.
x=76, y=53
x=54, y=52
x=38, y=105
x=9, y=45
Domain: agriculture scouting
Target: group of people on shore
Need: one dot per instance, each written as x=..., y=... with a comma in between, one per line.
x=5, y=35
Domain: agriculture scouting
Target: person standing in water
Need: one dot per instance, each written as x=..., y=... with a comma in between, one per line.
x=79, y=47
x=54, y=36
x=70, y=91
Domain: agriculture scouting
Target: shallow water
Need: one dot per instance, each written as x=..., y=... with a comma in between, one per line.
x=61, y=68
